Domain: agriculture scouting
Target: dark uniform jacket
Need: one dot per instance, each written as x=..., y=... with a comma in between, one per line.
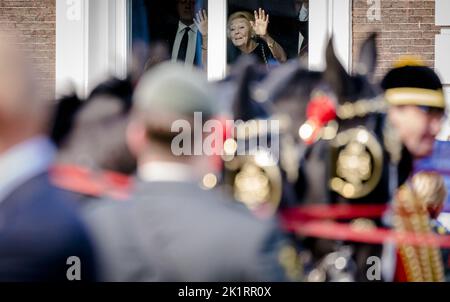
x=39, y=231
x=178, y=232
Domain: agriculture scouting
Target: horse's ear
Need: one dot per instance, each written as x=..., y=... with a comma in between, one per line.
x=368, y=57
x=244, y=107
x=335, y=74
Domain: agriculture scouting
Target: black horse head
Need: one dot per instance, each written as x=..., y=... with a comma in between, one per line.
x=311, y=171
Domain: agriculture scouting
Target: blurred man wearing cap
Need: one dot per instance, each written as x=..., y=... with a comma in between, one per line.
x=174, y=230
x=417, y=105
x=416, y=108
x=184, y=36
x=39, y=229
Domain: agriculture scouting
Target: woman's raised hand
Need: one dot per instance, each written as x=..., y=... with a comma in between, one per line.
x=261, y=22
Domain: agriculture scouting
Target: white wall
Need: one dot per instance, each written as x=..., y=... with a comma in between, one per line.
x=330, y=18
x=442, y=51
x=217, y=39
x=71, y=45
x=92, y=39
x=91, y=42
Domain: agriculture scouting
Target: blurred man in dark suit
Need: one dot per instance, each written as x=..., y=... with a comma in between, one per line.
x=173, y=228
x=39, y=229
x=184, y=36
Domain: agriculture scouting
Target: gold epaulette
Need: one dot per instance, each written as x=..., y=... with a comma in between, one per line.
x=421, y=263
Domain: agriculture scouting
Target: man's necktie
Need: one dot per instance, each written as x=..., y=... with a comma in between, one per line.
x=184, y=45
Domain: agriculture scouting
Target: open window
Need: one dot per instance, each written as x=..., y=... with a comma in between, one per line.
x=100, y=34
x=300, y=27
x=287, y=28
x=167, y=27
x=161, y=24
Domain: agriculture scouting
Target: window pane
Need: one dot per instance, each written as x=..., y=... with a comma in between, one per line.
x=273, y=39
x=168, y=28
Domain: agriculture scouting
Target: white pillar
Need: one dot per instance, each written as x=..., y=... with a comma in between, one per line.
x=99, y=42
x=217, y=39
x=72, y=45
x=342, y=31
x=319, y=34
x=442, y=51
x=326, y=18
x=92, y=42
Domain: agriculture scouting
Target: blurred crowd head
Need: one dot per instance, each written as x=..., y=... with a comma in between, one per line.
x=168, y=93
x=96, y=136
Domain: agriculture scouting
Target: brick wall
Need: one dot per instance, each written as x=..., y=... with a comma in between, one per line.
x=36, y=22
x=406, y=27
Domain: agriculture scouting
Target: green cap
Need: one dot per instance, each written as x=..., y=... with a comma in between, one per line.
x=175, y=89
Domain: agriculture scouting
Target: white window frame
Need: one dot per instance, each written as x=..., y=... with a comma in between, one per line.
x=97, y=43
x=330, y=18
x=441, y=60
x=72, y=46
x=92, y=43
x=337, y=15
x=217, y=39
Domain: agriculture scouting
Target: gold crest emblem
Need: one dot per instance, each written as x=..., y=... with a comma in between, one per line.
x=357, y=163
